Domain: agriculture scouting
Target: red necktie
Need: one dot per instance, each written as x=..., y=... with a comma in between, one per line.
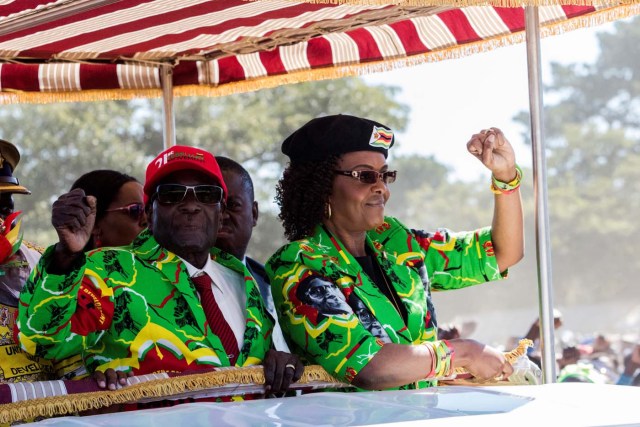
x=217, y=323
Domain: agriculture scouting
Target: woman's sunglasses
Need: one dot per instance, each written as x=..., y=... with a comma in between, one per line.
x=134, y=210
x=171, y=194
x=370, y=177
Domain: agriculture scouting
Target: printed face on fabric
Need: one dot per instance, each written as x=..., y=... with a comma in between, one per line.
x=239, y=217
x=13, y=275
x=366, y=318
x=125, y=217
x=188, y=225
x=358, y=206
x=324, y=296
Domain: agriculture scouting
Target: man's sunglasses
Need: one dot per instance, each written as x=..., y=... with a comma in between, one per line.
x=370, y=177
x=134, y=210
x=171, y=194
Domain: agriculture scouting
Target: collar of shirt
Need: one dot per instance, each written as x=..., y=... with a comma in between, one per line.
x=194, y=271
x=208, y=268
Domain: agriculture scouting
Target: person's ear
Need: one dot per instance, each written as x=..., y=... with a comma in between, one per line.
x=255, y=212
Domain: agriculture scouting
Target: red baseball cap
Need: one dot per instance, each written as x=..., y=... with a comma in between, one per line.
x=182, y=157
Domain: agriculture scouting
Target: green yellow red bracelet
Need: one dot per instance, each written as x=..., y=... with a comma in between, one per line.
x=444, y=355
x=499, y=187
x=441, y=359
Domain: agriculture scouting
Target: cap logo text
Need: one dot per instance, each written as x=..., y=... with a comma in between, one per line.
x=172, y=155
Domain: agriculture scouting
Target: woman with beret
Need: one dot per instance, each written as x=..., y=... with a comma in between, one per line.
x=382, y=333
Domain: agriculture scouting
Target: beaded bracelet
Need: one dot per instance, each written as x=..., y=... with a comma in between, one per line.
x=499, y=187
x=444, y=354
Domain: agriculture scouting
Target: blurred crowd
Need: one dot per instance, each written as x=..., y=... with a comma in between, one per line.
x=595, y=358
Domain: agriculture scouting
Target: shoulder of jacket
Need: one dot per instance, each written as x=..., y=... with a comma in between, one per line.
x=390, y=226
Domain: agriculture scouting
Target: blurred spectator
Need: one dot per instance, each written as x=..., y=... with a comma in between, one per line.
x=457, y=330
x=594, y=360
x=570, y=356
x=533, y=334
x=631, y=365
x=582, y=372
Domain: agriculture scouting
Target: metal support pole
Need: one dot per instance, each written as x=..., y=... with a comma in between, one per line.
x=545, y=288
x=169, y=120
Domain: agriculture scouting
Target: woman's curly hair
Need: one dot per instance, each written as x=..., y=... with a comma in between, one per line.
x=302, y=194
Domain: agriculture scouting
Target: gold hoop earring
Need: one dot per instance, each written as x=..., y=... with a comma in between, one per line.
x=327, y=210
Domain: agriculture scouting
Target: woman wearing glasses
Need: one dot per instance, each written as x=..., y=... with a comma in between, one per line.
x=120, y=215
x=332, y=197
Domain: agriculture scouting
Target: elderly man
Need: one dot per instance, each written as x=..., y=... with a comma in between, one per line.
x=17, y=258
x=168, y=302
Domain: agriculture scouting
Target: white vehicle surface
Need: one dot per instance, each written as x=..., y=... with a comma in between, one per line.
x=559, y=404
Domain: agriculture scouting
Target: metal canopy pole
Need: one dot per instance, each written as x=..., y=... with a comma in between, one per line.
x=543, y=246
x=169, y=120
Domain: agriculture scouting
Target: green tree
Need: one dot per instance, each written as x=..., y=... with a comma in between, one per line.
x=593, y=155
x=61, y=141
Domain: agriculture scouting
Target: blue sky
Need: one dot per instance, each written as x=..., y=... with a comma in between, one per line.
x=450, y=100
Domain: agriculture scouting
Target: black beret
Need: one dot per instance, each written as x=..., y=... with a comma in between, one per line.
x=335, y=135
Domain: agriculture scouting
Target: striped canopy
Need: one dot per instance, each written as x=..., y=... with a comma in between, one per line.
x=69, y=50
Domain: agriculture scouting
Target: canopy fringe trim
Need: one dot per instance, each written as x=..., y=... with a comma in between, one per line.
x=467, y=3
x=338, y=71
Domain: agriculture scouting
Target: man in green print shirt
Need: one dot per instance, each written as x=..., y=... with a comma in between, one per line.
x=138, y=309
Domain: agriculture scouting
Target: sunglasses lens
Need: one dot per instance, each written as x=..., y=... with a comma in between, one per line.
x=135, y=211
x=389, y=177
x=368, y=177
x=171, y=193
x=208, y=194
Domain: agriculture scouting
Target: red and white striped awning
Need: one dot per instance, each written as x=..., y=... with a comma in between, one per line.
x=109, y=49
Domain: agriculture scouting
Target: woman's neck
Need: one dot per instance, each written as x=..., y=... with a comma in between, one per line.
x=353, y=242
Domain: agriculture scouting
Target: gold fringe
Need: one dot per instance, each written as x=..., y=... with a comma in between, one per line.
x=519, y=351
x=166, y=387
x=596, y=18
x=154, y=389
x=19, y=97
x=468, y=3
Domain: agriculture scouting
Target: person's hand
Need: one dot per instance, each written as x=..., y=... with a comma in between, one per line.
x=483, y=362
x=73, y=216
x=492, y=148
x=280, y=370
x=110, y=378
